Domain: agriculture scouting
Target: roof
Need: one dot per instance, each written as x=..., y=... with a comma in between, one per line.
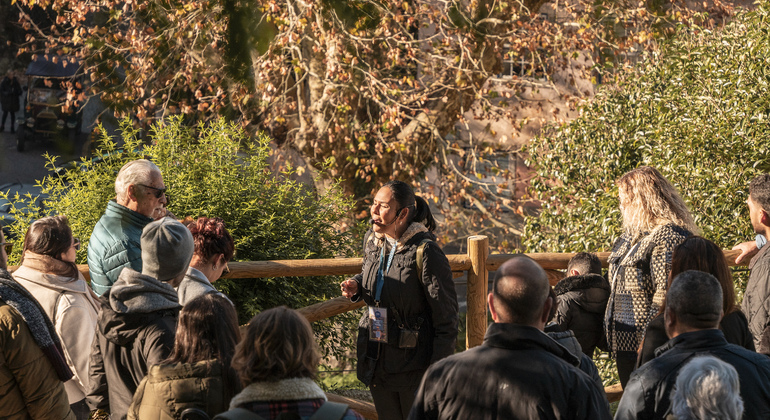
x=43, y=65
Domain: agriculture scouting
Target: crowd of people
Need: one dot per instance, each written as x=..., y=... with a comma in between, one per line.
x=151, y=338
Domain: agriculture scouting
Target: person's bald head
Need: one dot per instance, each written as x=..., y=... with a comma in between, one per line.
x=519, y=293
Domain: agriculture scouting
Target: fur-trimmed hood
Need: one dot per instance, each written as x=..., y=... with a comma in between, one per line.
x=413, y=229
x=292, y=389
x=585, y=281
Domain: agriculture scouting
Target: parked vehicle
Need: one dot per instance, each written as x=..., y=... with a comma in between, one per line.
x=51, y=105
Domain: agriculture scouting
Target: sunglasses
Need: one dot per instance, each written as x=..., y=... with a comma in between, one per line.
x=76, y=245
x=159, y=192
x=8, y=246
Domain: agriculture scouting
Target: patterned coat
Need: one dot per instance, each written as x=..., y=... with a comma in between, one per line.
x=639, y=269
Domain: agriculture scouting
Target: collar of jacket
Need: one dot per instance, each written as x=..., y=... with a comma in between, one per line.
x=197, y=276
x=53, y=281
x=521, y=337
x=762, y=254
x=586, y=281
x=120, y=211
x=411, y=231
x=292, y=389
x=693, y=340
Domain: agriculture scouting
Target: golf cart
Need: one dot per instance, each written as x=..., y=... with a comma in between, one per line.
x=51, y=106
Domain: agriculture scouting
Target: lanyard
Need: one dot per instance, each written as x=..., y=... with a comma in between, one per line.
x=381, y=272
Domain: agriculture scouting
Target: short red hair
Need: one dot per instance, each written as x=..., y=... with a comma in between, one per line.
x=211, y=238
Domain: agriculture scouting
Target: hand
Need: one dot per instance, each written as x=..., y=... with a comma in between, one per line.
x=748, y=250
x=349, y=288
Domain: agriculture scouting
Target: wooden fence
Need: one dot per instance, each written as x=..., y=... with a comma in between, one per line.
x=477, y=263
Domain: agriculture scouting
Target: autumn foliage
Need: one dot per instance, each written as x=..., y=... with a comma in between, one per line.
x=383, y=87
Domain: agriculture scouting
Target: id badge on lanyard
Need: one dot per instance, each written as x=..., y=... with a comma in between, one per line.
x=378, y=324
x=378, y=316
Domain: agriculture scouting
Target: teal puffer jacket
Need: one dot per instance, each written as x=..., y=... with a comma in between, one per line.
x=114, y=244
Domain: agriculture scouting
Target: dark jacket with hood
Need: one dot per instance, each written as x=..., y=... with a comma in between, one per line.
x=135, y=330
x=517, y=373
x=648, y=393
x=428, y=304
x=581, y=303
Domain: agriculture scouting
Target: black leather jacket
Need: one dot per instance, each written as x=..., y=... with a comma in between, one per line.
x=647, y=394
x=430, y=303
x=517, y=373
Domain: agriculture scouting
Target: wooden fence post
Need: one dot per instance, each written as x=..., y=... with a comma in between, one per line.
x=476, y=315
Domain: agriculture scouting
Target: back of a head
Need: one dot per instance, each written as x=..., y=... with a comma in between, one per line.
x=207, y=329
x=695, y=298
x=651, y=200
x=278, y=344
x=138, y=171
x=698, y=253
x=211, y=238
x=49, y=236
x=759, y=190
x=520, y=289
x=167, y=248
x=707, y=389
x=585, y=263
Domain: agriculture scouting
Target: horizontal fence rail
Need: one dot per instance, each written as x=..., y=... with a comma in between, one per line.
x=477, y=263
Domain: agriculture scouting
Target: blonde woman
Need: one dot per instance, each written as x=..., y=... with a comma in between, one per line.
x=655, y=221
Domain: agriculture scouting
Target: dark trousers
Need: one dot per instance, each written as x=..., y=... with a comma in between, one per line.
x=13, y=119
x=393, y=404
x=626, y=362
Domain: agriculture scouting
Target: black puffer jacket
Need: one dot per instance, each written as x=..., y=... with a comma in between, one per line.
x=648, y=393
x=135, y=330
x=567, y=340
x=518, y=373
x=582, y=301
x=432, y=300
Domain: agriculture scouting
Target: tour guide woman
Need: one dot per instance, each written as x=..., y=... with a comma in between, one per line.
x=411, y=318
x=655, y=221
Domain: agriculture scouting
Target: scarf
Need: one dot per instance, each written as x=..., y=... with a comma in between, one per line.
x=39, y=325
x=50, y=265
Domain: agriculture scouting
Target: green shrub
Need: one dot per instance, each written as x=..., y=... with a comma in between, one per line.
x=699, y=111
x=215, y=170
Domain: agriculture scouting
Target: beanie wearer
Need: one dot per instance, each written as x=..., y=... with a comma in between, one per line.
x=167, y=248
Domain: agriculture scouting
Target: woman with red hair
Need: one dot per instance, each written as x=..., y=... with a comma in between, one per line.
x=214, y=248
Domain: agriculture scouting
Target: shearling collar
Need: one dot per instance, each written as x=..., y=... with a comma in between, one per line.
x=586, y=281
x=293, y=389
x=412, y=230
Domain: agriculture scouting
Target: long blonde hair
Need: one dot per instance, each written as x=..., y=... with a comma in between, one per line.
x=651, y=201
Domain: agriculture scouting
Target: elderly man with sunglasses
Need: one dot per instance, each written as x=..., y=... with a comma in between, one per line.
x=115, y=241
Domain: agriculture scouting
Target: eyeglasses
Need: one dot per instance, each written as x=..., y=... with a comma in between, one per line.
x=8, y=246
x=76, y=245
x=158, y=191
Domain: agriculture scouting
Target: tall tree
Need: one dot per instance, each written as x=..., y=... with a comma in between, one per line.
x=377, y=85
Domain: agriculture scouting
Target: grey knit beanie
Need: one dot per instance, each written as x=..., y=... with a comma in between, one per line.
x=167, y=248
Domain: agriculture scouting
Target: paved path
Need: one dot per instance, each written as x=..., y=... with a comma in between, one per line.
x=29, y=166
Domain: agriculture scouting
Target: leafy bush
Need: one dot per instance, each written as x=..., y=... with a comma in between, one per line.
x=699, y=112
x=215, y=170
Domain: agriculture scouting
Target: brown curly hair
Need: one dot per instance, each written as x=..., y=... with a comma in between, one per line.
x=278, y=344
x=211, y=237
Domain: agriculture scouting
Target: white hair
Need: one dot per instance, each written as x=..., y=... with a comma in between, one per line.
x=135, y=172
x=707, y=389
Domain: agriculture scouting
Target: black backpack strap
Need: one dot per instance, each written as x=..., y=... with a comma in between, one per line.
x=238, y=414
x=330, y=411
